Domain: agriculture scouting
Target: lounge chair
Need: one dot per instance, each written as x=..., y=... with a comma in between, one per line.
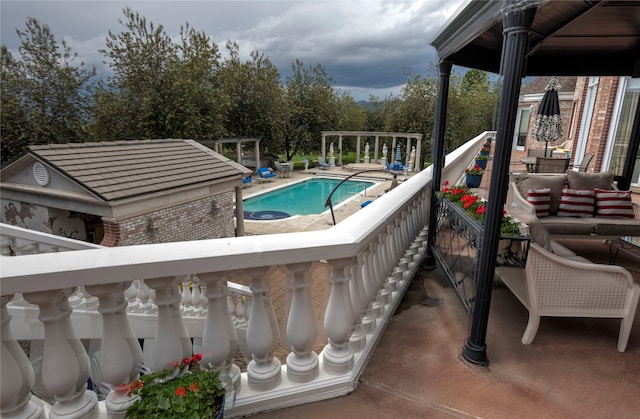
x=323, y=164
x=396, y=167
x=246, y=181
x=265, y=173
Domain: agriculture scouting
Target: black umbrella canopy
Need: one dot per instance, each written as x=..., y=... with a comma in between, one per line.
x=548, y=125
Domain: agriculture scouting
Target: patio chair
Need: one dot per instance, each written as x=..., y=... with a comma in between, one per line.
x=246, y=181
x=551, y=165
x=265, y=173
x=323, y=164
x=585, y=162
x=551, y=285
x=536, y=152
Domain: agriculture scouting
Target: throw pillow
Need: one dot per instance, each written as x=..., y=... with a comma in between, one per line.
x=582, y=180
x=576, y=203
x=540, y=199
x=535, y=181
x=613, y=204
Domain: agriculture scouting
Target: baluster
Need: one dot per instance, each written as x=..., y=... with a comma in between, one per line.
x=302, y=329
x=131, y=294
x=65, y=363
x=383, y=293
x=171, y=342
x=241, y=327
x=369, y=316
x=338, y=321
x=145, y=297
x=372, y=283
x=196, y=300
x=215, y=339
x=263, y=372
x=233, y=371
x=17, y=373
x=187, y=299
x=120, y=353
x=358, y=337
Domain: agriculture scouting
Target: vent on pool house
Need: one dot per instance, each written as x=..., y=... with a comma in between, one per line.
x=41, y=174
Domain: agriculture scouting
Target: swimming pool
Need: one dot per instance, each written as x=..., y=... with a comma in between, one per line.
x=302, y=198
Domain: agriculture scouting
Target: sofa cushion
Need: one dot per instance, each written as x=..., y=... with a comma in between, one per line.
x=576, y=203
x=540, y=199
x=582, y=180
x=617, y=227
x=554, y=182
x=613, y=204
x=568, y=226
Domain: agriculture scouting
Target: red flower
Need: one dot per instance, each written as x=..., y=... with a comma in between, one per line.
x=446, y=183
x=196, y=358
x=181, y=391
x=481, y=209
x=123, y=389
x=194, y=387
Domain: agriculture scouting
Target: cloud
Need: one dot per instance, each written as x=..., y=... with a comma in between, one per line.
x=365, y=46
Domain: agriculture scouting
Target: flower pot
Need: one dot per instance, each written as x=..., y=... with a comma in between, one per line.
x=482, y=163
x=473, y=181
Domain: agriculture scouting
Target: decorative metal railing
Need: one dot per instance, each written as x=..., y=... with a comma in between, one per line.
x=185, y=297
x=458, y=245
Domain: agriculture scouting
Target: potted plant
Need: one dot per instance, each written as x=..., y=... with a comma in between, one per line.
x=481, y=160
x=484, y=151
x=184, y=390
x=474, y=176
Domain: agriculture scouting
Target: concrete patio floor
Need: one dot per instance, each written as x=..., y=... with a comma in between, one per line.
x=571, y=370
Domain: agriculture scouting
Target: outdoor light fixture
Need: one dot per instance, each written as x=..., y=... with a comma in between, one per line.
x=214, y=209
x=151, y=227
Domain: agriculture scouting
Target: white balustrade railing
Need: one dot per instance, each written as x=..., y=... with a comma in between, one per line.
x=179, y=299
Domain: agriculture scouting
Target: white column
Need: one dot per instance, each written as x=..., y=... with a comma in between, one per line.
x=406, y=158
x=338, y=321
x=263, y=372
x=340, y=150
x=302, y=328
x=65, y=363
x=120, y=354
x=358, y=150
x=239, y=212
x=239, y=152
x=171, y=342
x=376, y=149
x=324, y=147
x=17, y=373
x=257, y=150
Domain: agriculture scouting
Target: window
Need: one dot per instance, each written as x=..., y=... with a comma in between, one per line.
x=628, y=101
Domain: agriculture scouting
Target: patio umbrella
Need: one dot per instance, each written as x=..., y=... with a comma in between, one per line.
x=548, y=125
x=398, y=156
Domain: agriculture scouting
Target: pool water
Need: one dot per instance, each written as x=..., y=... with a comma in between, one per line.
x=303, y=198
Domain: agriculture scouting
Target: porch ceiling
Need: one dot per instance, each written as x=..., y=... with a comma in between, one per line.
x=577, y=37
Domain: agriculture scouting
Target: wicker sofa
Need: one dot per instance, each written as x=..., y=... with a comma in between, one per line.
x=557, y=222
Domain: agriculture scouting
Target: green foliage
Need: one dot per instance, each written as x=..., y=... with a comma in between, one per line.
x=189, y=394
x=257, y=106
x=45, y=94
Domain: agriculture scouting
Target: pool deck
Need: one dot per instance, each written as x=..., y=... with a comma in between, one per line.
x=317, y=221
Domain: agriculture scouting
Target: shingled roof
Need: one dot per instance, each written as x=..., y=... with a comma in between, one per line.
x=125, y=169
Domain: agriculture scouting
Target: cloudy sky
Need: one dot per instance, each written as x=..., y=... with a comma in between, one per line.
x=364, y=45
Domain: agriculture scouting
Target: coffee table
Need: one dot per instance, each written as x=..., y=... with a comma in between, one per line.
x=629, y=245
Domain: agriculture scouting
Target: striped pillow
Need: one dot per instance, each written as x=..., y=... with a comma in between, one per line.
x=613, y=204
x=540, y=199
x=576, y=203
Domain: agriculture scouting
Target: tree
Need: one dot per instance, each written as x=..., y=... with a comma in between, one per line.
x=257, y=106
x=312, y=105
x=45, y=95
x=160, y=89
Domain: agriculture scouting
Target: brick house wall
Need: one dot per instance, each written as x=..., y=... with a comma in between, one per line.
x=207, y=218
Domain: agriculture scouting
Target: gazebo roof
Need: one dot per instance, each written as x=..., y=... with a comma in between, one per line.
x=578, y=37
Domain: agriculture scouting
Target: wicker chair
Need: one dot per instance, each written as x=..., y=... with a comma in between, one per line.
x=551, y=165
x=561, y=286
